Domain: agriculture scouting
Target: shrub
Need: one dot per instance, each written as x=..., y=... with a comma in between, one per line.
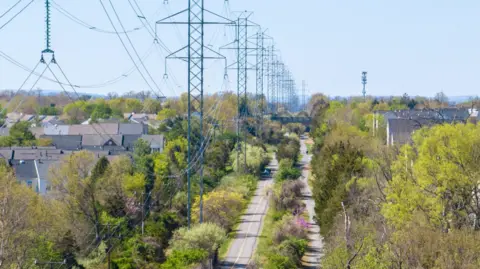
x=289, y=148
x=288, y=228
x=256, y=161
x=205, y=236
x=243, y=184
x=286, y=171
x=220, y=207
x=182, y=259
x=287, y=198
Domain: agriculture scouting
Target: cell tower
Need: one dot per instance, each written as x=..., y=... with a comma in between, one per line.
x=364, y=82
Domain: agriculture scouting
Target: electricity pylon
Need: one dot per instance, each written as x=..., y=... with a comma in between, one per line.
x=241, y=45
x=261, y=60
x=195, y=59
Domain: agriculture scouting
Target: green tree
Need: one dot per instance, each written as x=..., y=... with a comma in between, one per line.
x=205, y=236
x=20, y=133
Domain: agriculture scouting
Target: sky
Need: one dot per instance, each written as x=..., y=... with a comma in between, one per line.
x=410, y=46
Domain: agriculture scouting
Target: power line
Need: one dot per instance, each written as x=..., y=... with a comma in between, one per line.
x=81, y=22
x=125, y=47
x=14, y=16
x=98, y=85
x=10, y=9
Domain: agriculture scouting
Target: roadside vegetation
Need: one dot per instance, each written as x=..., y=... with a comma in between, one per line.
x=410, y=206
x=284, y=238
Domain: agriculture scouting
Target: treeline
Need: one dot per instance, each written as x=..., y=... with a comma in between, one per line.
x=413, y=206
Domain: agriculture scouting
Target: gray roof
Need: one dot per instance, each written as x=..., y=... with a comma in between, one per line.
x=156, y=141
x=129, y=141
x=38, y=154
x=444, y=114
x=401, y=130
x=56, y=129
x=6, y=154
x=24, y=170
x=102, y=140
x=67, y=142
x=132, y=129
x=96, y=128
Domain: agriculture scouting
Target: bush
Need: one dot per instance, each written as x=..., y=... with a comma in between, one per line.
x=288, y=228
x=295, y=128
x=182, y=259
x=289, y=149
x=287, y=198
x=205, y=236
x=286, y=171
x=243, y=184
x=220, y=207
x=256, y=161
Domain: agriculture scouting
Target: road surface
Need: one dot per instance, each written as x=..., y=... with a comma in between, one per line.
x=249, y=230
x=312, y=257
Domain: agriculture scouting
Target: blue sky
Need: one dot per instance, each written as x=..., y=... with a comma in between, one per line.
x=417, y=47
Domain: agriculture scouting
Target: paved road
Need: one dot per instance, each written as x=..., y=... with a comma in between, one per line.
x=312, y=257
x=243, y=246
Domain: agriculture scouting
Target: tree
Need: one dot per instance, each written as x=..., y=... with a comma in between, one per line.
x=205, y=236
x=441, y=179
x=80, y=192
x=27, y=224
x=289, y=148
x=256, y=161
x=21, y=134
x=220, y=207
x=166, y=113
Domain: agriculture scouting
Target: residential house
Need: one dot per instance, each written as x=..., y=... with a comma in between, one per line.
x=65, y=142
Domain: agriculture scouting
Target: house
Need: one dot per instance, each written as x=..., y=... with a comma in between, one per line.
x=399, y=131
x=132, y=129
x=96, y=128
x=32, y=166
x=33, y=173
x=65, y=142
x=139, y=118
x=102, y=142
x=442, y=114
x=156, y=142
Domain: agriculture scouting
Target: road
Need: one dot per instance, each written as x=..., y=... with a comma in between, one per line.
x=249, y=230
x=312, y=257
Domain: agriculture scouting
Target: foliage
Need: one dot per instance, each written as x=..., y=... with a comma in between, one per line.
x=256, y=161
x=166, y=113
x=48, y=110
x=289, y=148
x=204, y=236
x=287, y=171
x=29, y=224
x=182, y=259
x=288, y=196
x=220, y=207
x=296, y=128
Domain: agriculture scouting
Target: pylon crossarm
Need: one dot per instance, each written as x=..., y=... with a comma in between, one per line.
x=163, y=21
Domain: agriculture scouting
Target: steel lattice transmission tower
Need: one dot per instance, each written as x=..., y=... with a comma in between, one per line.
x=364, y=82
x=241, y=46
x=195, y=50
